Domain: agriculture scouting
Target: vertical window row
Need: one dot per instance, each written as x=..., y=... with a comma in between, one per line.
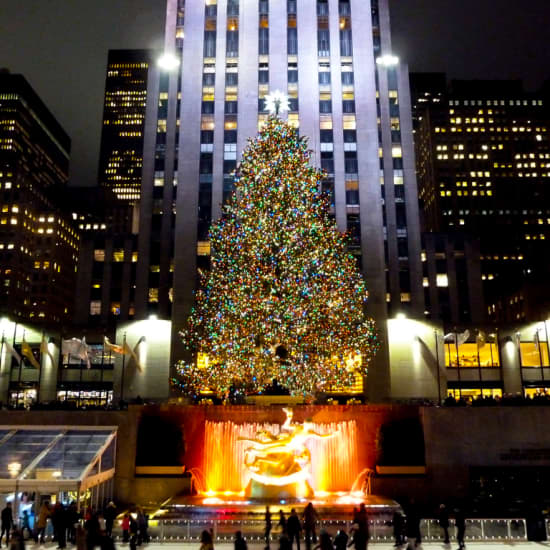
x=292, y=63
x=207, y=120
x=263, y=60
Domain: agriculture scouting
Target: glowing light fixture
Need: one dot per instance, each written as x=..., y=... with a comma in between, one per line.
x=168, y=61
x=14, y=468
x=387, y=60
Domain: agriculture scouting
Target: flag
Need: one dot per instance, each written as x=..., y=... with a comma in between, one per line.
x=113, y=347
x=26, y=351
x=78, y=348
x=44, y=350
x=458, y=338
x=129, y=351
x=12, y=352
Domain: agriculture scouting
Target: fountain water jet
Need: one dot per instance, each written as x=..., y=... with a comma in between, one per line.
x=237, y=456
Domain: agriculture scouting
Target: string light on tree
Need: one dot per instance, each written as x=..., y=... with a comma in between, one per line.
x=283, y=299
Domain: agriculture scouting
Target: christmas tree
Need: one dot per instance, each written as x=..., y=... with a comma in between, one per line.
x=284, y=299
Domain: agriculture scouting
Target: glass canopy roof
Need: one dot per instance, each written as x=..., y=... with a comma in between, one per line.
x=52, y=456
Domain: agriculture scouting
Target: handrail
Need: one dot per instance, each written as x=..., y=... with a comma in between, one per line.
x=381, y=530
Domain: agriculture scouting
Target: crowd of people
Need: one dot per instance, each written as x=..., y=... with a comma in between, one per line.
x=292, y=529
x=92, y=529
x=86, y=530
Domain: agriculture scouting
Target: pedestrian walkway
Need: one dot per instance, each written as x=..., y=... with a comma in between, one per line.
x=377, y=545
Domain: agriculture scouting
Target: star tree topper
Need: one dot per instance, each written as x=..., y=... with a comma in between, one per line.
x=277, y=102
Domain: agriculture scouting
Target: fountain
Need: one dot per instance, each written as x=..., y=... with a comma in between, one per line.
x=272, y=461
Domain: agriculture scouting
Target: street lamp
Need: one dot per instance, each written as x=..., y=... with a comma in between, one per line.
x=168, y=61
x=387, y=60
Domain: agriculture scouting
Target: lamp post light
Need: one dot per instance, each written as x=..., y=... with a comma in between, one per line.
x=387, y=60
x=168, y=61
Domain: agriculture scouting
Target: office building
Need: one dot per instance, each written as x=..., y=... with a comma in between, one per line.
x=348, y=94
x=38, y=241
x=483, y=164
x=121, y=151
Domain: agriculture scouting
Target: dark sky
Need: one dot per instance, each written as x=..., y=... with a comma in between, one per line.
x=61, y=47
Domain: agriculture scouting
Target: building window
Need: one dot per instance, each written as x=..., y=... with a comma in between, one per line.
x=99, y=255
x=534, y=354
x=118, y=255
x=292, y=41
x=95, y=307
x=263, y=45
x=323, y=42
x=153, y=295
x=472, y=355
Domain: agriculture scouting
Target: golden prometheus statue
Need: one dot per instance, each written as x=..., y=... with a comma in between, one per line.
x=280, y=465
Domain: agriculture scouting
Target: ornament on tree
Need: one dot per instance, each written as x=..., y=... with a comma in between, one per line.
x=284, y=299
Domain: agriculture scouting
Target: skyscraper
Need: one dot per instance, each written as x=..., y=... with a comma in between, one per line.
x=38, y=242
x=348, y=94
x=483, y=163
x=121, y=153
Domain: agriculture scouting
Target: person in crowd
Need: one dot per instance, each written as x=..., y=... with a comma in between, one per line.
x=206, y=541
x=7, y=523
x=268, y=525
x=413, y=526
x=42, y=521
x=134, y=532
x=325, y=541
x=294, y=528
x=73, y=517
x=363, y=520
x=341, y=540
x=93, y=532
x=143, y=526
x=284, y=542
x=25, y=525
x=59, y=523
x=444, y=522
x=125, y=528
x=110, y=515
x=359, y=538
x=398, y=528
x=310, y=519
x=282, y=521
x=17, y=541
x=460, y=522
x=240, y=543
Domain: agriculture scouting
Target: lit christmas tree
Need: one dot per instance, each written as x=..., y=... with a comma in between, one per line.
x=284, y=299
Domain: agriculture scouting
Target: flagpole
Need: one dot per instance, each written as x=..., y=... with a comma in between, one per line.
x=458, y=366
x=537, y=343
x=123, y=367
x=479, y=364
x=438, y=369
x=9, y=373
x=40, y=370
x=2, y=351
x=21, y=372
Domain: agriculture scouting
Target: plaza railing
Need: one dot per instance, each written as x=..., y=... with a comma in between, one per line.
x=189, y=530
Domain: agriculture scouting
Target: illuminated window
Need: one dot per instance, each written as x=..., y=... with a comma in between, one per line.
x=472, y=355
x=153, y=295
x=203, y=248
x=396, y=151
x=469, y=394
x=118, y=255
x=533, y=355
x=95, y=307
x=99, y=255
x=134, y=257
x=115, y=308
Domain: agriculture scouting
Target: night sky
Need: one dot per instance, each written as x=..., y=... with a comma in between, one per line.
x=61, y=46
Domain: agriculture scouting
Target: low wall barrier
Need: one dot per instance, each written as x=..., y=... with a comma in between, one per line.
x=189, y=530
